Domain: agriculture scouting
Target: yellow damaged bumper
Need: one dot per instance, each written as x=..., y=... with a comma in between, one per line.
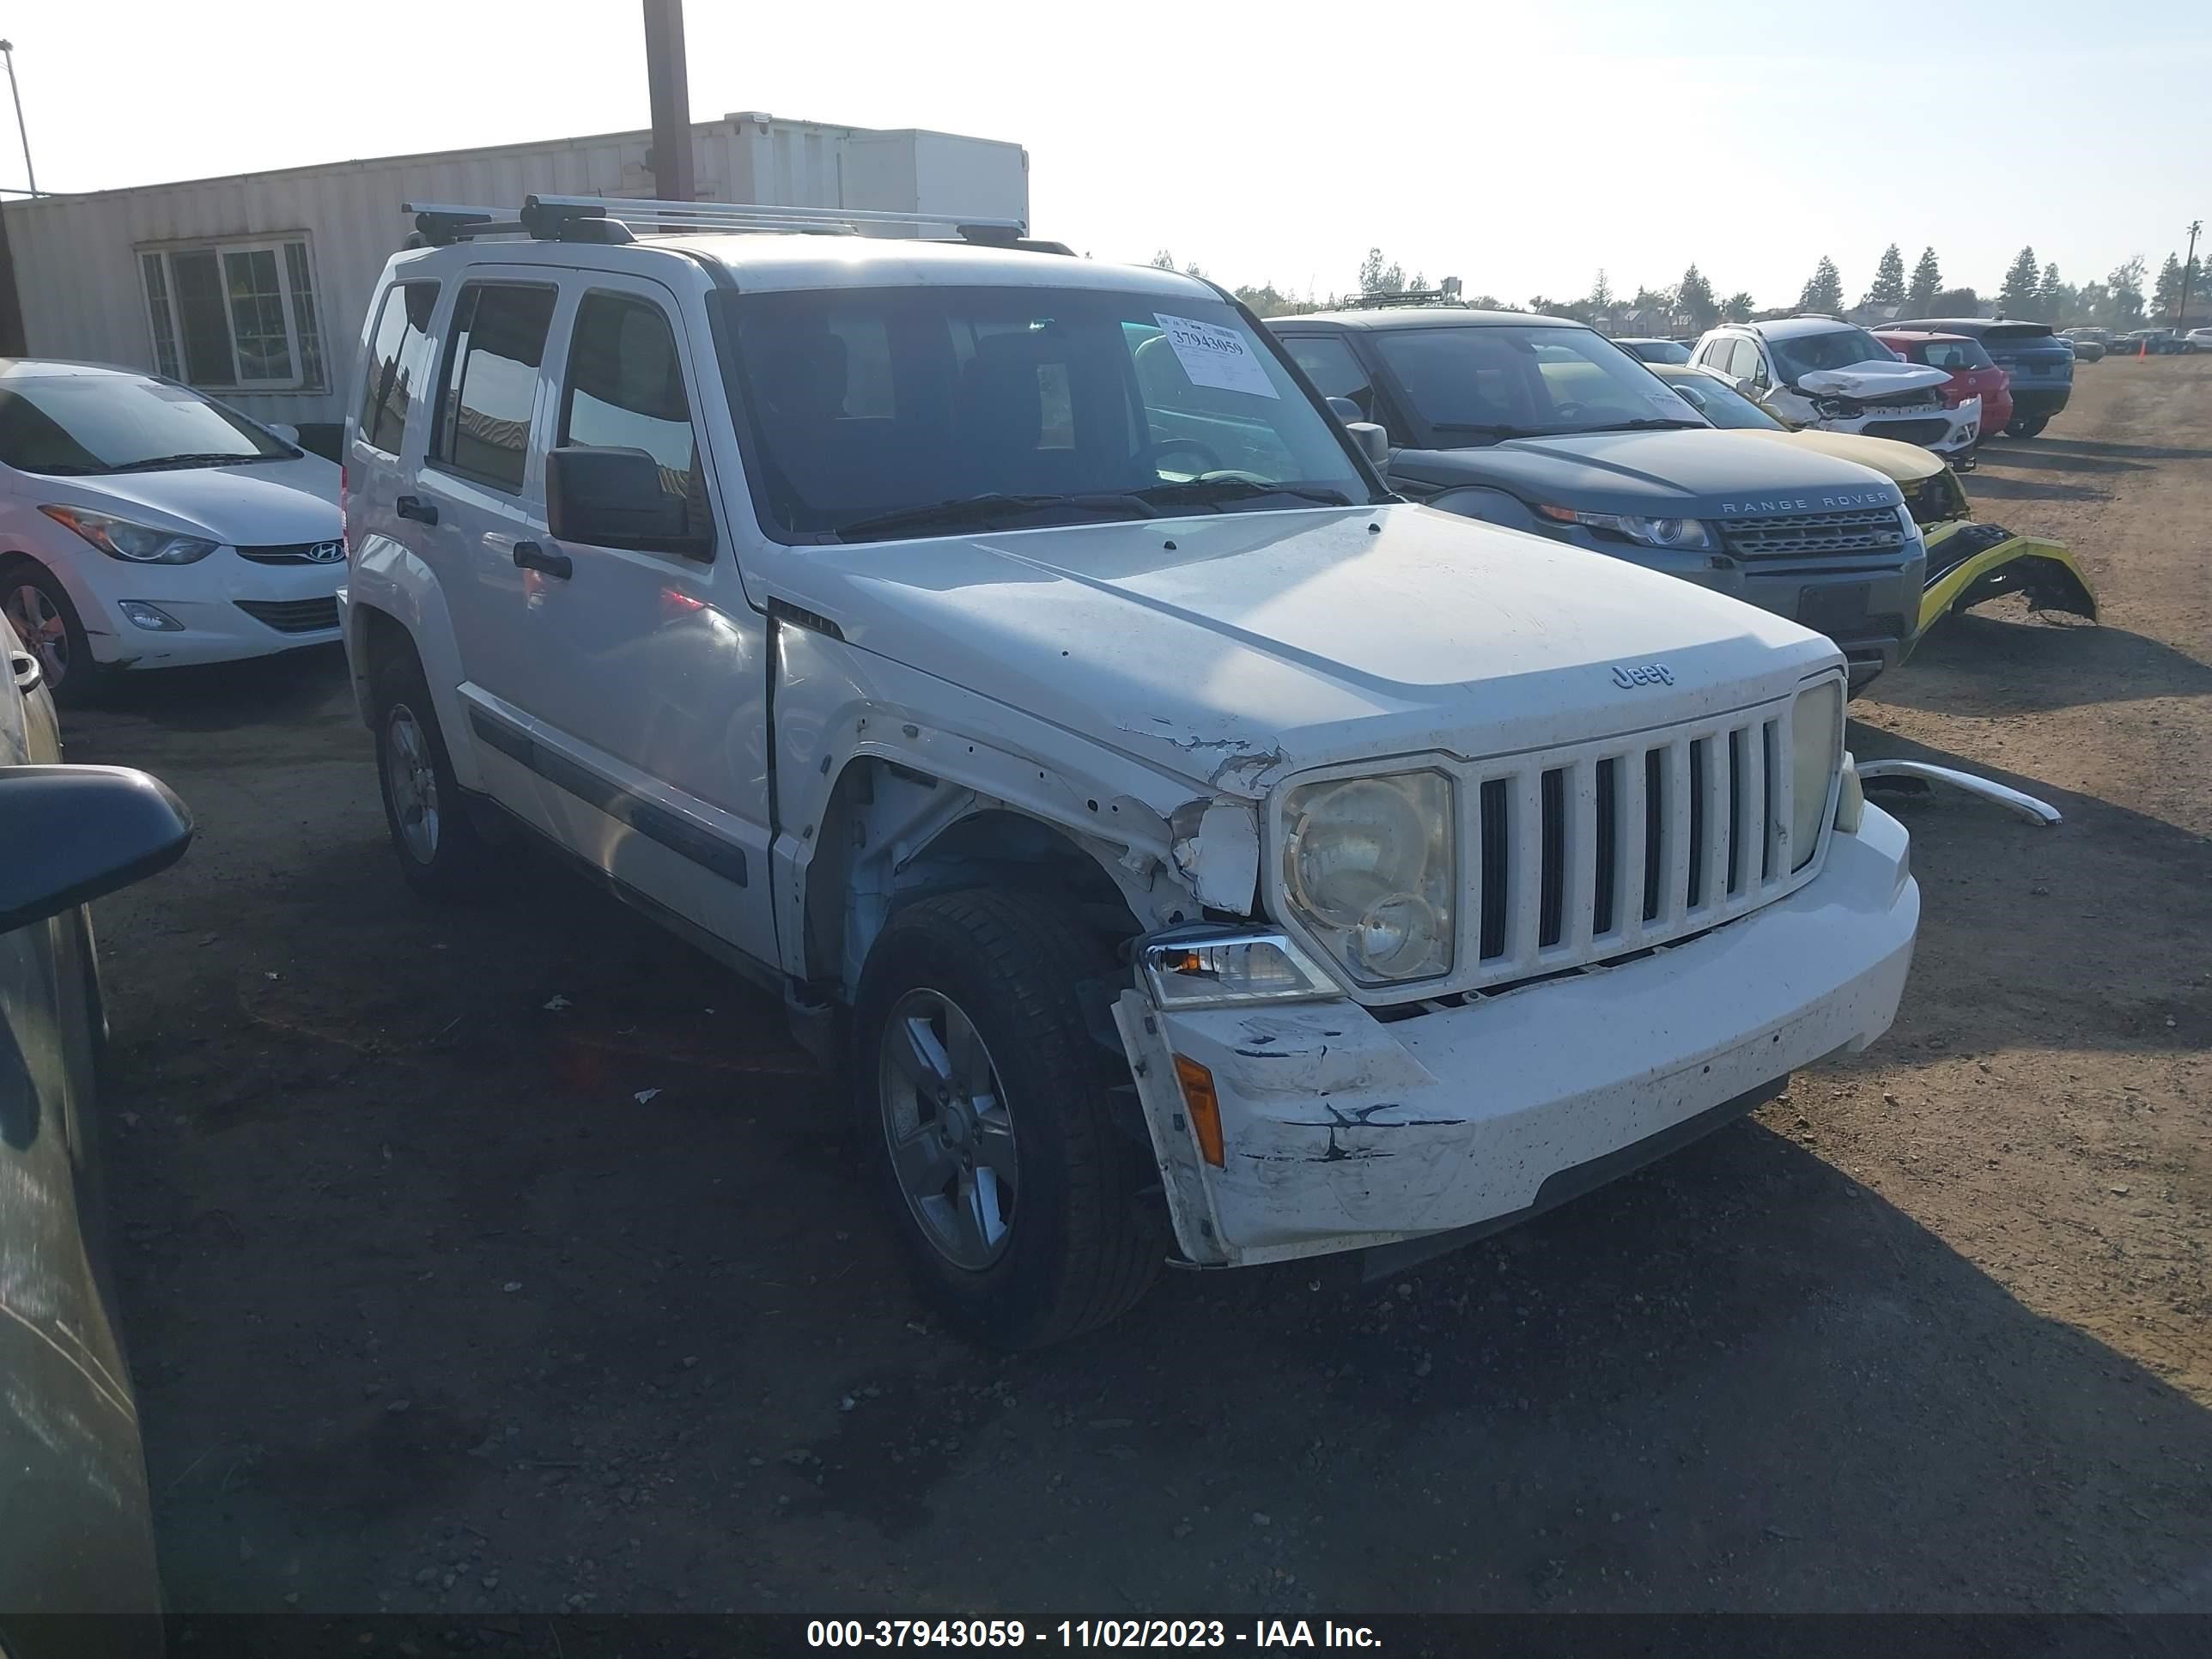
x=1969, y=563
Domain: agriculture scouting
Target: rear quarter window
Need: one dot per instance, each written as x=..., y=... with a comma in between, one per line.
x=398, y=354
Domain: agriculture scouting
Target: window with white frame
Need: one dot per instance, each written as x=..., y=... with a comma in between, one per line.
x=235, y=315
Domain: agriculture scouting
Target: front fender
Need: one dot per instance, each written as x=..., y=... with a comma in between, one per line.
x=1497, y=507
x=837, y=706
x=387, y=576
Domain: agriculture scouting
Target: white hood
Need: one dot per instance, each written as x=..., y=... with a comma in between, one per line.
x=1230, y=648
x=1867, y=382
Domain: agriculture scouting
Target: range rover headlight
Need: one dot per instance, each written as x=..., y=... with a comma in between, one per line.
x=1816, y=749
x=1644, y=531
x=1371, y=864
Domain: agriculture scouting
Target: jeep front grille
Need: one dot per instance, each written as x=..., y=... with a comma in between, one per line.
x=1875, y=529
x=1577, y=856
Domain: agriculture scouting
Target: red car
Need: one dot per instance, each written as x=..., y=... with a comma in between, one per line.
x=1972, y=372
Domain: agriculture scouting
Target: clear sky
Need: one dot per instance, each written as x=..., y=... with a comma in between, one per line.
x=1517, y=148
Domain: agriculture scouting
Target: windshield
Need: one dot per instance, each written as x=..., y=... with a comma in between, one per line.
x=1658, y=352
x=1845, y=347
x=92, y=424
x=883, y=412
x=1724, y=405
x=1481, y=384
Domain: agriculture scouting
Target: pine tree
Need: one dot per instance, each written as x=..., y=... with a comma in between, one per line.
x=1375, y=277
x=1888, y=288
x=1600, y=294
x=1166, y=260
x=1927, y=283
x=2165, y=299
x=1824, y=289
x=2127, y=303
x=1695, y=297
x=2023, y=280
x=2054, y=299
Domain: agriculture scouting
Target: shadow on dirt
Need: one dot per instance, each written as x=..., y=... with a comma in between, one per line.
x=221, y=695
x=1985, y=485
x=2003, y=660
x=2093, y=447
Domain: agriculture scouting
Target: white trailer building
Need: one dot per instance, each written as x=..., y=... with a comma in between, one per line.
x=253, y=288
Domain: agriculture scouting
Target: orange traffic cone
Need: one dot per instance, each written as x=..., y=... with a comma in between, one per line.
x=2142, y=348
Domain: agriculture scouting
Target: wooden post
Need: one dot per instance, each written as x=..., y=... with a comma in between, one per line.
x=666, y=83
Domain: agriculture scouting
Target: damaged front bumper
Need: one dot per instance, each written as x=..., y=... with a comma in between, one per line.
x=1969, y=563
x=1338, y=1130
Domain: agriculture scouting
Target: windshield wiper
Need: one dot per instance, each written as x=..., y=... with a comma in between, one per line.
x=1208, y=492
x=987, y=511
x=1646, y=425
x=171, y=463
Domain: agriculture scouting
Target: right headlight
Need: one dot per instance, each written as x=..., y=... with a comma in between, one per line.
x=1371, y=866
x=1816, y=749
x=138, y=544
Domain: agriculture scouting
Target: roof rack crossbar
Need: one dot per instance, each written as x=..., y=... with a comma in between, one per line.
x=720, y=213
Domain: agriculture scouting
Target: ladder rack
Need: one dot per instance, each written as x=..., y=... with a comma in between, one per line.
x=593, y=219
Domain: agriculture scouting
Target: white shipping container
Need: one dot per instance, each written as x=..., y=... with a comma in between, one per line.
x=254, y=287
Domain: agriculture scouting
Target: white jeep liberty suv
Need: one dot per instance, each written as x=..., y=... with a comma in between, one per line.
x=1192, y=852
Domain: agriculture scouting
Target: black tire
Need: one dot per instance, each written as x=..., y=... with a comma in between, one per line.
x=2025, y=426
x=453, y=861
x=1082, y=1245
x=65, y=660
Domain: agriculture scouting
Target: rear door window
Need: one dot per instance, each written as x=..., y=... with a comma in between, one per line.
x=496, y=349
x=398, y=353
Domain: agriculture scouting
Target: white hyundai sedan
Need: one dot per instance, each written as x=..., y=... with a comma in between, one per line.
x=144, y=525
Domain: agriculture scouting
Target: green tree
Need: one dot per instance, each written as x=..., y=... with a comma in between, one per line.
x=1927, y=283
x=1377, y=278
x=1823, y=292
x=1166, y=260
x=1738, y=307
x=1955, y=303
x=2023, y=281
x=1600, y=294
x=2127, y=302
x=2167, y=300
x=1694, y=294
x=1266, y=300
x=2055, y=300
x=1888, y=288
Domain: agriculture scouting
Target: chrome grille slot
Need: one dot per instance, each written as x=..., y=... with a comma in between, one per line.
x=1582, y=855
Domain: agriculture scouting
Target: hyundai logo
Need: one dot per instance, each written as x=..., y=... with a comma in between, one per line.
x=325, y=553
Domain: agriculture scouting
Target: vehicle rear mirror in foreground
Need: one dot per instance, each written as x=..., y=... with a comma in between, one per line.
x=74, y=833
x=1346, y=411
x=1373, y=439
x=605, y=497
x=288, y=432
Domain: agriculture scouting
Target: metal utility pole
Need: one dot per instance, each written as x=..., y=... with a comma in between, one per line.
x=2188, y=271
x=12, y=341
x=667, y=84
x=30, y=172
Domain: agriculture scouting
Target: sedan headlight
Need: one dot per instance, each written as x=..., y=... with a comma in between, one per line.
x=1816, y=748
x=139, y=543
x=1646, y=532
x=1371, y=866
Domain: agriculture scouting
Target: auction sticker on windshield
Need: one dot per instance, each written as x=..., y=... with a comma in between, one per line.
x=1216, y=356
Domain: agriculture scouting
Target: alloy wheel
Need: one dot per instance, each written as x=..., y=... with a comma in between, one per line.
x=413, y=782
x=951, y=1136
x=44, y=631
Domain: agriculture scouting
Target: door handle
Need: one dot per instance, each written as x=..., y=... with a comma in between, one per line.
x=414, y=506
x=531, y=556
x=26, y=671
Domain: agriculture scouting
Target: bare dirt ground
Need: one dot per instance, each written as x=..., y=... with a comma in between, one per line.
x=433, y=1307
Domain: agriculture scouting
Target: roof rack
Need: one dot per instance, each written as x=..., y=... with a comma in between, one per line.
x=592, y=219
x=1417, y=296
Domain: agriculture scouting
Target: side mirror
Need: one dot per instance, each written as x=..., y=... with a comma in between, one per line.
x=1346, y=411
x=289, y=433
x=1373, y=439
x=615, y=498
x=77, y=833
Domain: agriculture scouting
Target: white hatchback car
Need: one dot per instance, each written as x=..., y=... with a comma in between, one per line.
x=145, y=526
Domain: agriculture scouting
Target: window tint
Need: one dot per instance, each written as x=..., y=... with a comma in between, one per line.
x=398, y=353
x=1333, y=368
x=626, y=391
x=1954, y=355
x=497, y=345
